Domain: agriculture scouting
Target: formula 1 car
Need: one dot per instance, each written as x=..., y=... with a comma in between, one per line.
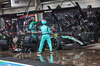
x=60, y=41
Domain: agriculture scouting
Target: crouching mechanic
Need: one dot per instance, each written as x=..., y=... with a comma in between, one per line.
x=45, y=36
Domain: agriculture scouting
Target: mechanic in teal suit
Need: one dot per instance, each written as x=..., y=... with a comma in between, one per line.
x=45, y=36
x=32, y=28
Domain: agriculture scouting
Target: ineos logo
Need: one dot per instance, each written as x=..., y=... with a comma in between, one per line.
x=20, y=14
x=48, y=11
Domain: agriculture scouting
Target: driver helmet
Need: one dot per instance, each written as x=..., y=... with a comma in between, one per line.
x=44, y=22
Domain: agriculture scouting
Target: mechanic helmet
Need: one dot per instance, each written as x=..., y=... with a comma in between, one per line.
x=34, y=22
x=2, y=30
x=89, y=7
x=72, y=16
x=44, y=22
